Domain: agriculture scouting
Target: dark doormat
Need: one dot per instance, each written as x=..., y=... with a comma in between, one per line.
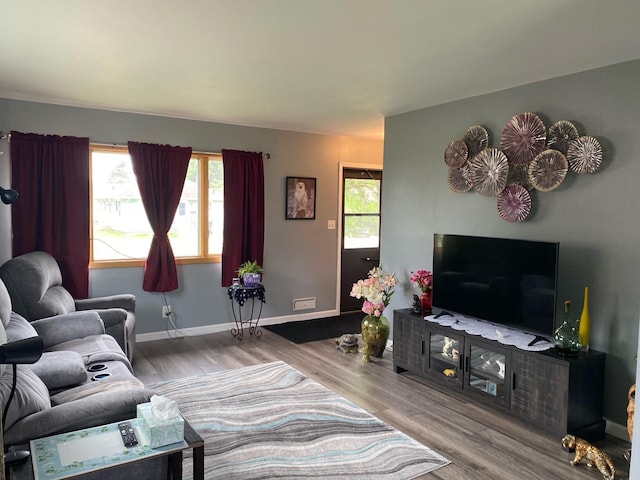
x=319, y=328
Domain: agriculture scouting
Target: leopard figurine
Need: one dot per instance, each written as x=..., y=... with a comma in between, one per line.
x=593, y=455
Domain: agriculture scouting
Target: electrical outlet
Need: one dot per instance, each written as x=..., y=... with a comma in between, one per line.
x=166, y=311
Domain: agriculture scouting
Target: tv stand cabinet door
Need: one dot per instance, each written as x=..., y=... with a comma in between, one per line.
x=487, y=371
x=409, y=347
x=445, y=355
x=540, y=390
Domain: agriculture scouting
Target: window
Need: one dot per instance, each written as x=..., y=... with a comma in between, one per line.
x=361, y=214
x=121, y=234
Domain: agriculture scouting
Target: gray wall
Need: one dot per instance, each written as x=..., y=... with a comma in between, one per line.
x=300, y=258
x=595, y=217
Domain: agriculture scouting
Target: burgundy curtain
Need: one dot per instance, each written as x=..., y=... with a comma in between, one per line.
x=160, y=172
x=51, y=175
x=243, y=211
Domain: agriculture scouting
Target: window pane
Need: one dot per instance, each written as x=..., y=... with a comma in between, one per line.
x=121, y=230
x=361, y=231
x=361, y=195
x=120, y=227
x=216, y=208
x=184, y=236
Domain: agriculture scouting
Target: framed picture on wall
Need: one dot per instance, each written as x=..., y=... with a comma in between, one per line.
x=300, y=198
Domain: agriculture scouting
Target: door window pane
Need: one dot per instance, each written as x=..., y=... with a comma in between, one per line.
x=361, y=232
x=444, y=355
x=361, y=195
x=361, y=213
x=487, y=371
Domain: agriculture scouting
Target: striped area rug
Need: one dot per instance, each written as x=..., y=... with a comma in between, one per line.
x=271, y=421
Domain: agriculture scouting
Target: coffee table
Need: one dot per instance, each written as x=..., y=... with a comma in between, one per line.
x=92, y=450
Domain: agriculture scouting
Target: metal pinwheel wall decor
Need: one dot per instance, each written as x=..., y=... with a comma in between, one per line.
x=530, y=157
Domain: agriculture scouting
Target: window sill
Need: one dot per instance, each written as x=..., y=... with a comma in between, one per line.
x=140, y=262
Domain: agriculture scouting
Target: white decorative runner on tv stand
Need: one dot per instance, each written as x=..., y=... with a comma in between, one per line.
x=492, y=331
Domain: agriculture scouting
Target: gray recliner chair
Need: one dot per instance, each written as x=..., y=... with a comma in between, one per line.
x=34, y=282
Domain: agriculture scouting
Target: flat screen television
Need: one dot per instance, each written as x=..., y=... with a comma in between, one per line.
x=504, y=281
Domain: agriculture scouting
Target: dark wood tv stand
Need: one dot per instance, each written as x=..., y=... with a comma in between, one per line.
x=557, y=394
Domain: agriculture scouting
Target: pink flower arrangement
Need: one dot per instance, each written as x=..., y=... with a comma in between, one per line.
x=376, y=289
x=423, y=279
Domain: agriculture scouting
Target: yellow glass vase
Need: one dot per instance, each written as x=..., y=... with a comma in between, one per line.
x=585, y=322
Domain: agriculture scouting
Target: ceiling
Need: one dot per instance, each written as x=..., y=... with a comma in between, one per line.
x=324, y=66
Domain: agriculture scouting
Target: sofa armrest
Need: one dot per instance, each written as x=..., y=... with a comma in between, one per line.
x=106, y=407
x=112, y=317
x=68, y=326
x=122, y=300
x=115, y=324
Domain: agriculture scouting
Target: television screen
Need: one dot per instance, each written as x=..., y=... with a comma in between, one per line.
x=505, y=281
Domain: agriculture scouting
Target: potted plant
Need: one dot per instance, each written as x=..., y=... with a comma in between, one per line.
x=250, y=273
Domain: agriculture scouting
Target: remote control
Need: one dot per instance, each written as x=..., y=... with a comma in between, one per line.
x=128, y=434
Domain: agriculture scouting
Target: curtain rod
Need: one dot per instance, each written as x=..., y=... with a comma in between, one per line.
x=266, y=156
x=4, y=136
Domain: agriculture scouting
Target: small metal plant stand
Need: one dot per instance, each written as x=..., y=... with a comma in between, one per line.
x=239, y=295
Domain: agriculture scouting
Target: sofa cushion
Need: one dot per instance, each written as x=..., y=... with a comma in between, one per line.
x=19, y=328
x=70, y=326
x=94, y=349
x=107, y=407
x=60, y=369
x=110, y=384
x=34, y=282
x=31, y=394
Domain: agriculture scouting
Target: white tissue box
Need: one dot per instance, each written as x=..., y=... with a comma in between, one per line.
x=157, y=432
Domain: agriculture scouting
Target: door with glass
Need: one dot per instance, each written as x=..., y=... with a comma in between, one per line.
x=487, y=371
x=445, y=357
x=361, y=203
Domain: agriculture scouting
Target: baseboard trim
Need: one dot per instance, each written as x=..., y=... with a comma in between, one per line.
x=226, y=327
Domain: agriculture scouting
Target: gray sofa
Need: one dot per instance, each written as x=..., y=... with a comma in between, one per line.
x=34, y=282
x=61, y=393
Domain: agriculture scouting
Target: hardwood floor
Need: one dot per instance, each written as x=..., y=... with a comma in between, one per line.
x=480, y=442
